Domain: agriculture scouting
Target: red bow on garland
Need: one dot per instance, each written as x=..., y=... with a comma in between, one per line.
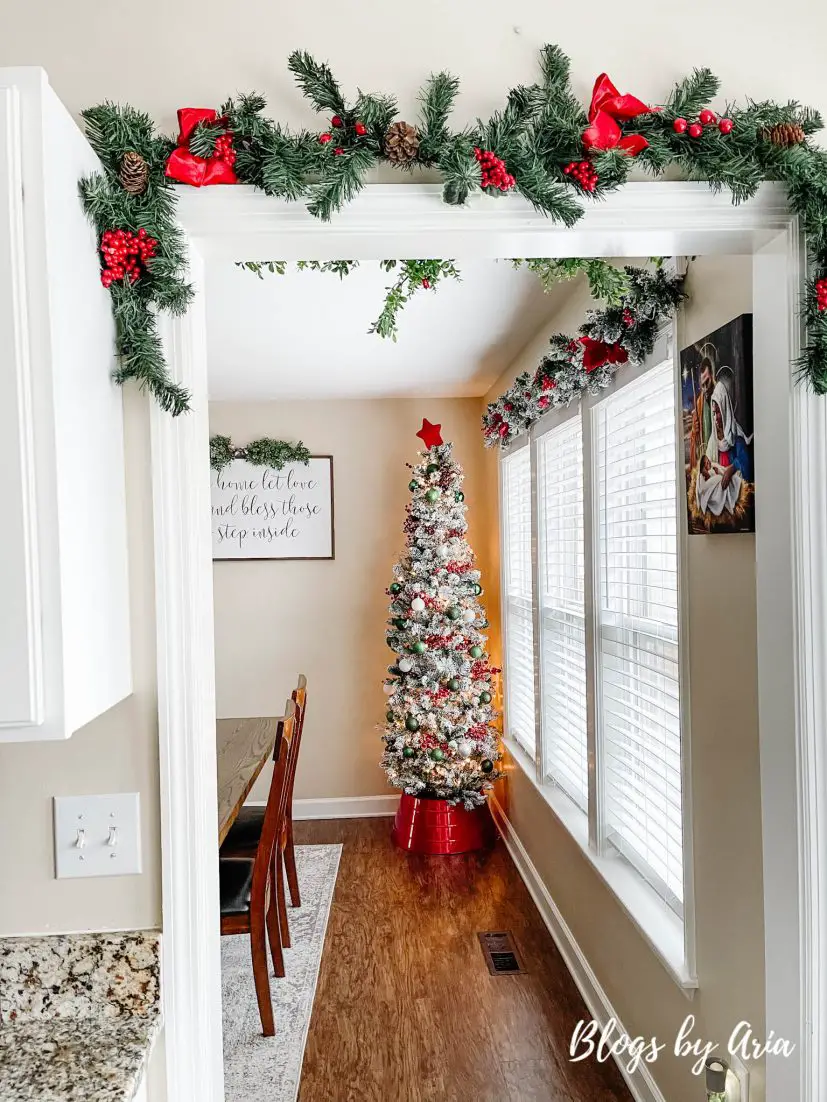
x=598, y=353
x=184, y=166
x=607, y=111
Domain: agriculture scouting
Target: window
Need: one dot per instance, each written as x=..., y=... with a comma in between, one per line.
x=638, y=629
x=517, y=598
x=599, y=561
x=562, y=612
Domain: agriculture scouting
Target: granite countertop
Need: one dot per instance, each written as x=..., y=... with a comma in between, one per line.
x=79, y=1014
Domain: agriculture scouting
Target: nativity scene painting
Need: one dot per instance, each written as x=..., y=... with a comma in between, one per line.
x=716, y=390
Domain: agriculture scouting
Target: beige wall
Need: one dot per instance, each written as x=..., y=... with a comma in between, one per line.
x=327, y=619
x=118, y=752
x=194, y=53
x=726, y=795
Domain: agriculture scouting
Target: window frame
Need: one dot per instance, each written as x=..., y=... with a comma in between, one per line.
x=670, y=937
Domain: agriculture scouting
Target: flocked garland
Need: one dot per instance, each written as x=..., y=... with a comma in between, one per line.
x=264, y=452
x=622, y=332
x=543, y=144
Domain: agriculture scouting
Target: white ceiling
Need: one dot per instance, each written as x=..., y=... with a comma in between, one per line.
x=304, y=334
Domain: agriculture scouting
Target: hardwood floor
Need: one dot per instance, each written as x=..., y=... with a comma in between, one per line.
x=406, y=1010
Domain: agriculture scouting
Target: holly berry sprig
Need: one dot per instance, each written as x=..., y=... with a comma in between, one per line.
x=706, y=118
x=494, y=175
x=125, y=255
x=821, y=293
x=357, y=127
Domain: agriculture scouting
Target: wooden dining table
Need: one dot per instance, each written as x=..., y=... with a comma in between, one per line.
x=243, y=745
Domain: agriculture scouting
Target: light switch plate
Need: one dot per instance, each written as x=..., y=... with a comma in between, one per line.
x=97, y=835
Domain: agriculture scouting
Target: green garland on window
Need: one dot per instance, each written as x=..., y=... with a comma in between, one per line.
x=264, y=452
x=543, y=144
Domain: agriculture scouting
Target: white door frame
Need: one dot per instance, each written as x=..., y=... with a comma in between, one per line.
x=642, y=219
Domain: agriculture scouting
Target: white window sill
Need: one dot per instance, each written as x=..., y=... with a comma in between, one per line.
x=660, y=927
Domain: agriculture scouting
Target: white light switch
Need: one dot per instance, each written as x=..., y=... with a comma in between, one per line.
x=97, y=835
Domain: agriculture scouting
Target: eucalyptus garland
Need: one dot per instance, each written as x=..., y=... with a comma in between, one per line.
x=543, y=144
x=623, y=332
x=264, y=452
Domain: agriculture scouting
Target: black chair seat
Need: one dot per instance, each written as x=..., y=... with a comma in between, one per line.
x=236, y=879
x=245, y=832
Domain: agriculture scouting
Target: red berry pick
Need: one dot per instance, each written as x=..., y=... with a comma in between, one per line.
x=725, y=126
x=679, y=126
x=360, y=129
x=336, y=121
x=325, y=138
x=707, y=117
x=821, y=293
x=695, y=130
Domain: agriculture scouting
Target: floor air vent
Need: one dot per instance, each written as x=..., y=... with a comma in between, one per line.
x=501, y=954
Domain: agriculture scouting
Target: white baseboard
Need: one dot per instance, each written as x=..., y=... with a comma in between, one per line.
x=640, y=1083
x=341, y=807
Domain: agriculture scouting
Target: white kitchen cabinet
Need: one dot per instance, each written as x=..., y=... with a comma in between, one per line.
x=64, y=592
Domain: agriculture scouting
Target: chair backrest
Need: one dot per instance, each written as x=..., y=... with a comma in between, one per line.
x=299, y=697
x=276, y=803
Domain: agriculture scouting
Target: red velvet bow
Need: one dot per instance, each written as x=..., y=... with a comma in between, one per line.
x=597, y=353
x=607, y=111
x=185, y=166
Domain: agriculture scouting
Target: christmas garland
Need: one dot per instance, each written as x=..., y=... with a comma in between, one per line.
x=264, y=452
x=542, y=144
x=622, y=332
x=605, y=280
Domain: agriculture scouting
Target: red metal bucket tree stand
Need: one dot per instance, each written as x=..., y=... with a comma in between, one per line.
x=440, y=743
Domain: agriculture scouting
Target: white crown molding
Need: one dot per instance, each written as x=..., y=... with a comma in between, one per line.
x=387, y=220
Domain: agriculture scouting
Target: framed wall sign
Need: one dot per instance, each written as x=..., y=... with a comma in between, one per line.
x=261, y=513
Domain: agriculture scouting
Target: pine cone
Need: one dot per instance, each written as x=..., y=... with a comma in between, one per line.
x=784, y=134
x=401, y=143
x=133, y=173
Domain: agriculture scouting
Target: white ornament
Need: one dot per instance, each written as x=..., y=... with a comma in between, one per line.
x=405, y=665
x=388, y=690
x=418, y=605
x=443, y=551
x=469, y=616
x=465, y=747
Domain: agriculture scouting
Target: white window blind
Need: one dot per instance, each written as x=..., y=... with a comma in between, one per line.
x=638, y=662
x=519, y=628
x=562, y=613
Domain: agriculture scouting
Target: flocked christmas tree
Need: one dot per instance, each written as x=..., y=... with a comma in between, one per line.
x=439, y=738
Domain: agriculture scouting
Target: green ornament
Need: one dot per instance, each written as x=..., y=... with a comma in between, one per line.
x=477, y=588
x=453, y=684
x=412, y=723
x=413, y=485
x=475, y=652
x=459, y=496
x=395, y=587
x=432, y=468
x=408, y=752
x=399, y=623
x=418, y=647
x=453, y=613
x=432, y=495
x=389, y=717
x=485, y=698
x=437, y=754
x=486, y=765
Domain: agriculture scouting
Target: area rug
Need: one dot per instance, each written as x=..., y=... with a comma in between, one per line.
x=268, y=1069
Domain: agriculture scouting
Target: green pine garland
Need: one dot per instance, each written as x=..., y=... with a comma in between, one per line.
x=264, y=452
x=537, y=135
x=625, y=330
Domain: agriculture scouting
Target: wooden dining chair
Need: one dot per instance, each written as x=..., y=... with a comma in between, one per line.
x=242, y=839
x=249, y=903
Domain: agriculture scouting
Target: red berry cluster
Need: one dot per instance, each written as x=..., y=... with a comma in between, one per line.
x=337, y=122
x=124, y=254
x=224, y=149
x=584, y=173
x=494, y=173
x=705, y=118
x=628, y=318
x=821, y=293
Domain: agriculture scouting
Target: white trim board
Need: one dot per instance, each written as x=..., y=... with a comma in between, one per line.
x=641, y=1084
x=340, y=807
